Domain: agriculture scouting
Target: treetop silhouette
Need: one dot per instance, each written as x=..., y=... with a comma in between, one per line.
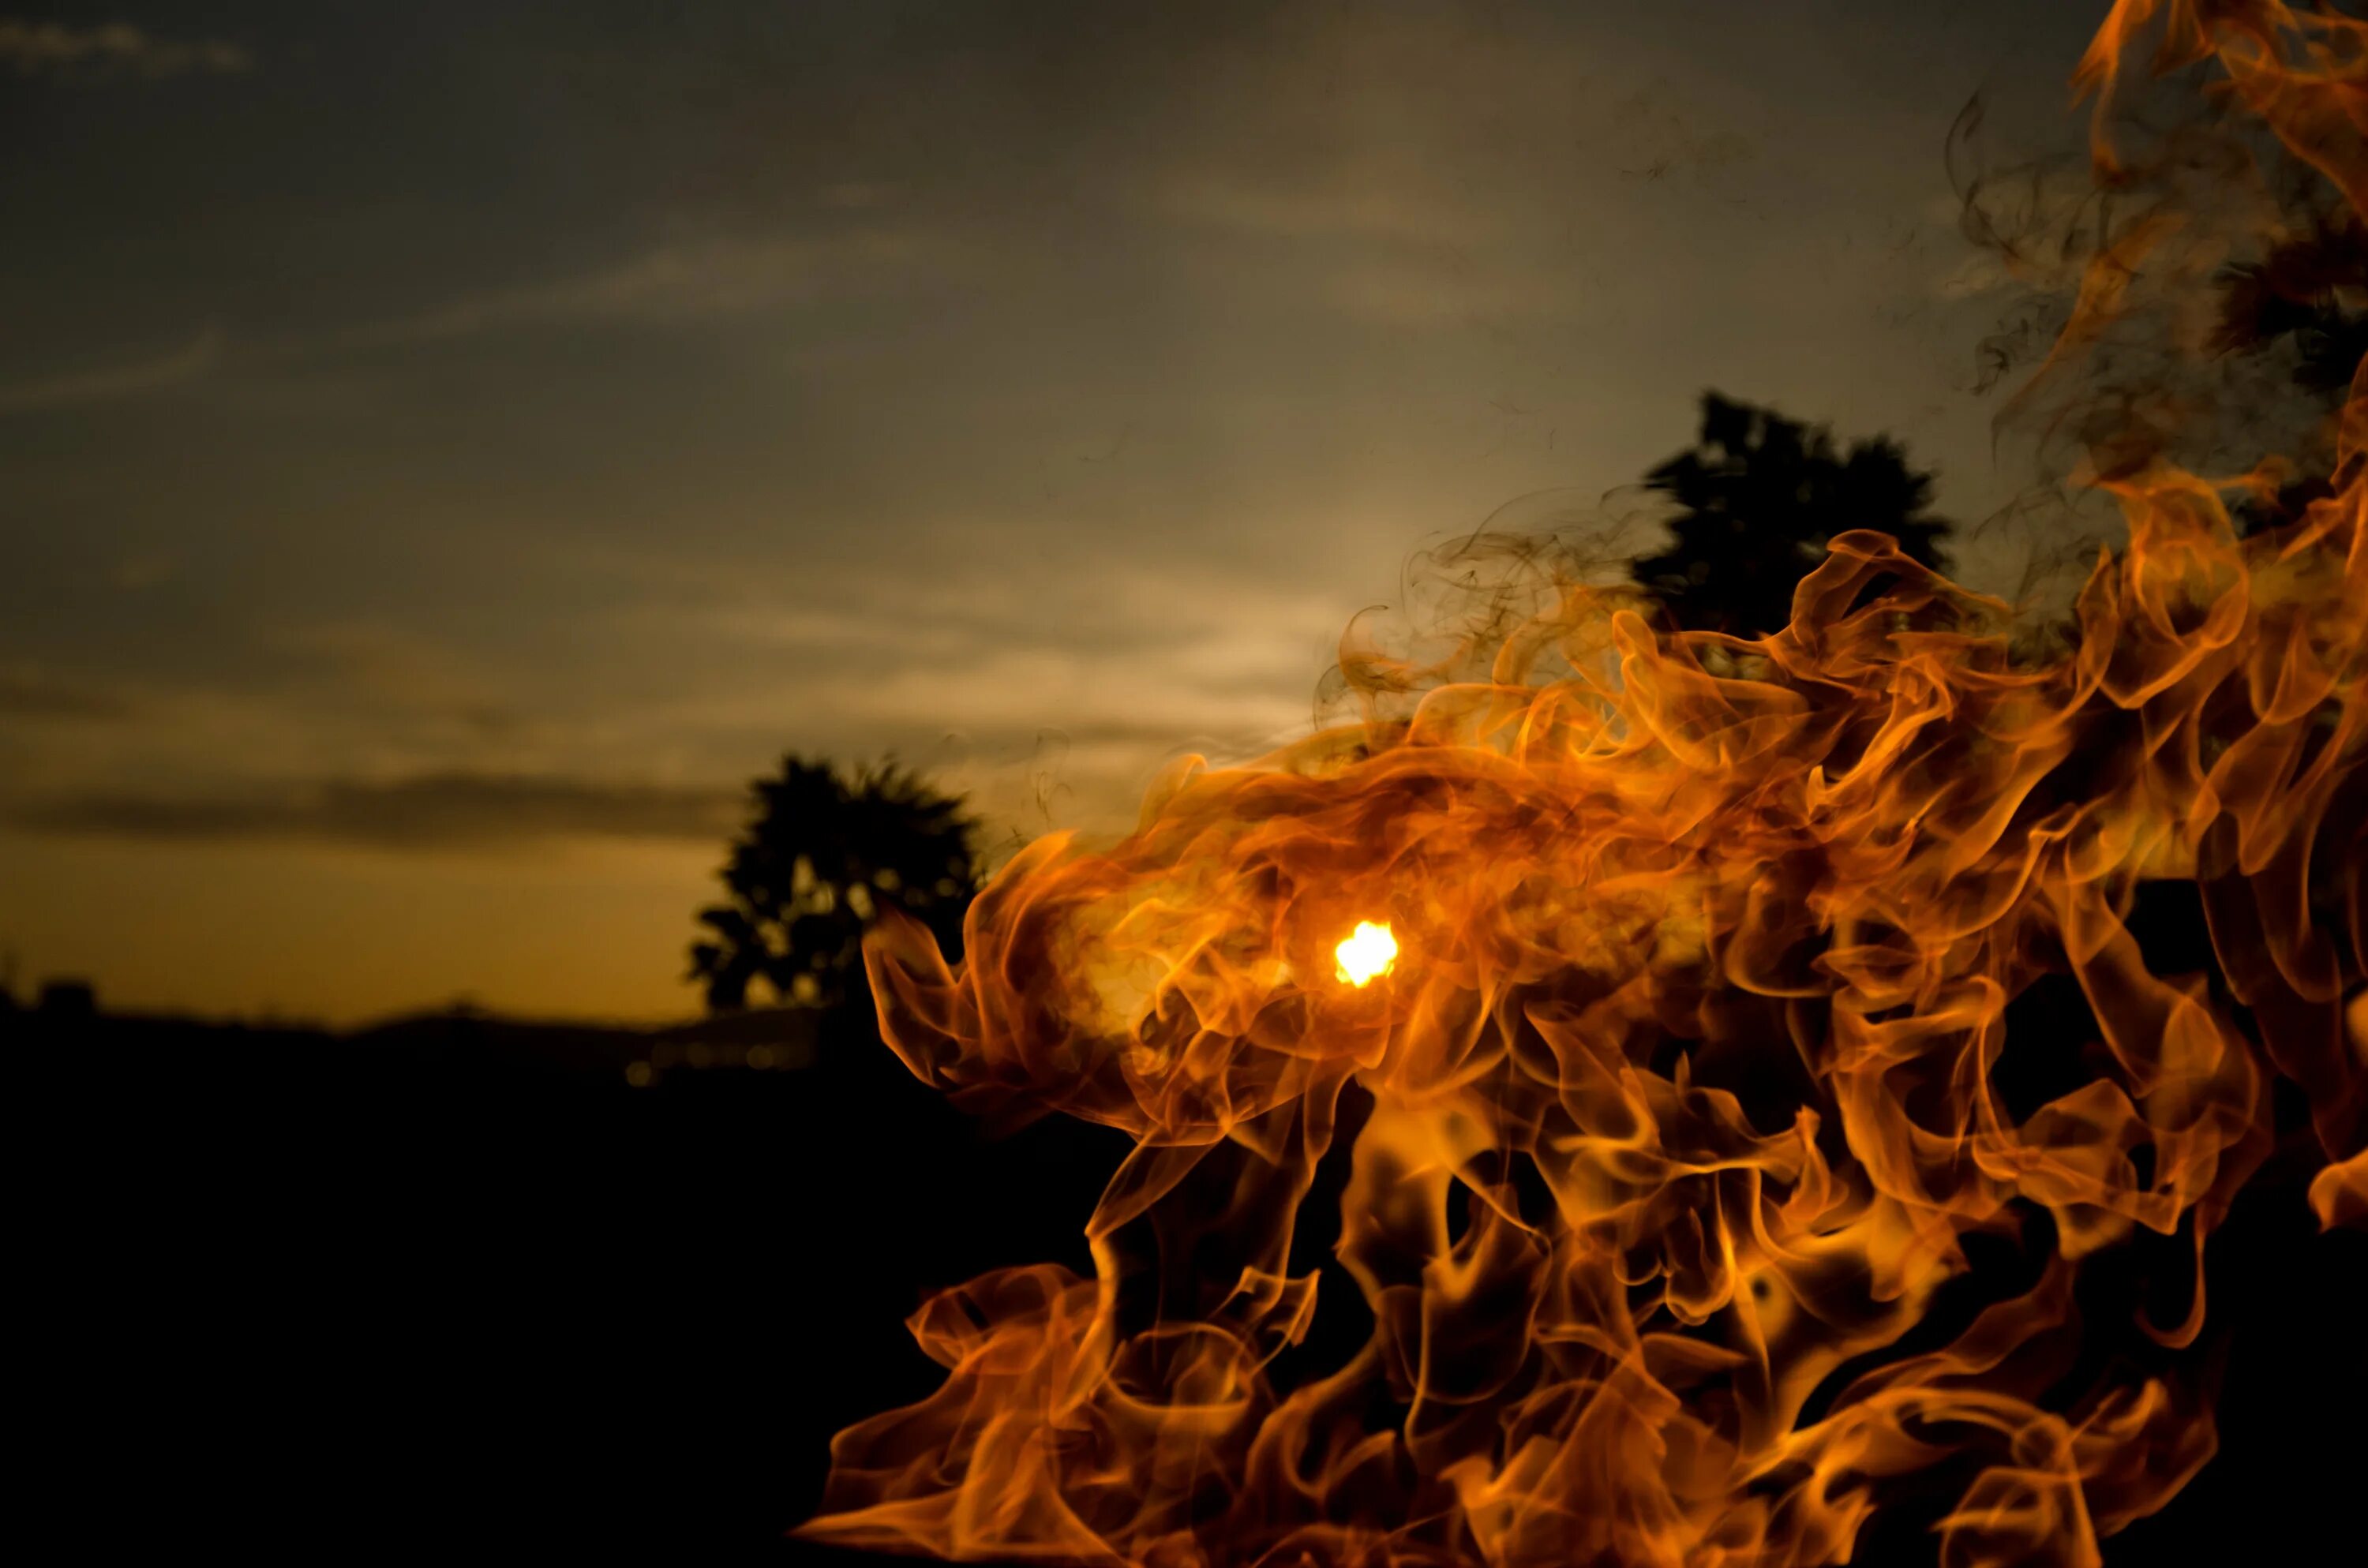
x=2305, y=293
x=823, y=854
x=1758, y=495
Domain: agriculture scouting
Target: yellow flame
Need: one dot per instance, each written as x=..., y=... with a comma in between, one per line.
x=1369, y=952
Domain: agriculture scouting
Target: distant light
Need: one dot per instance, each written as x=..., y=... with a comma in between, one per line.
x=1369, y=952
x=638, y=1074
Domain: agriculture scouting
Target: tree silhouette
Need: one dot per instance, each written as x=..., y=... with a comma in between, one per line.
x=1758, y=495
x=2304, y=292
x=822, y=854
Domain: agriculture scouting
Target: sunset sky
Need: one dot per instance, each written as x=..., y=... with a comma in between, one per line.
x=448, y=447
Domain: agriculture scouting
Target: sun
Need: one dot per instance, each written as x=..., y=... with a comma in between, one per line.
x=1368, y=952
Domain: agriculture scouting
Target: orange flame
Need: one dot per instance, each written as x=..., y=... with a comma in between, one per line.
x=1695, y=1087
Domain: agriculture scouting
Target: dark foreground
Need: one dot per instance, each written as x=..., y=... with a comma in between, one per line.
x=456, y=1289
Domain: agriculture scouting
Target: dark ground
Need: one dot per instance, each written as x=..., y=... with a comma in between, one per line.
x=455, y=1289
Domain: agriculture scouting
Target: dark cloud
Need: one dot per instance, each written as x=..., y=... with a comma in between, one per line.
x=471, y=809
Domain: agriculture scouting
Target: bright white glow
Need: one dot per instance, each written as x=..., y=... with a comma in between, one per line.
x=1369, y=952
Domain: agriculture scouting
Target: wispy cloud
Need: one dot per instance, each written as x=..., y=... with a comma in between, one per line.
x=663, y=285
x=113, y=50
x=666, y=285
x=112, y=382
x=670, y=283
x=441, y=810
x=29, y=692
x=1242, y=202
x=391, y=672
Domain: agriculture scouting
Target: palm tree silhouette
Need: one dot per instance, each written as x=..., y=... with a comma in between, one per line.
x=823, y=854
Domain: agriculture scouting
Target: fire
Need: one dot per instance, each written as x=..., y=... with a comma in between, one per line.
x=1366, y=954
x=1666, y=1178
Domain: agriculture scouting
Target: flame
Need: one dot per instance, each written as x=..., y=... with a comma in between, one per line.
x=1368, y=953
x=1663, y=1178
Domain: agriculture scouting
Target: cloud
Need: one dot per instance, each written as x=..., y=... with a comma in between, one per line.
x=1270, y=207
x=391, y=672
x=1434, y=293
x=673, y=282
x=27, y=692
x=439, y=810
x=669, y=285
x=114, y=50
x=107, y=384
